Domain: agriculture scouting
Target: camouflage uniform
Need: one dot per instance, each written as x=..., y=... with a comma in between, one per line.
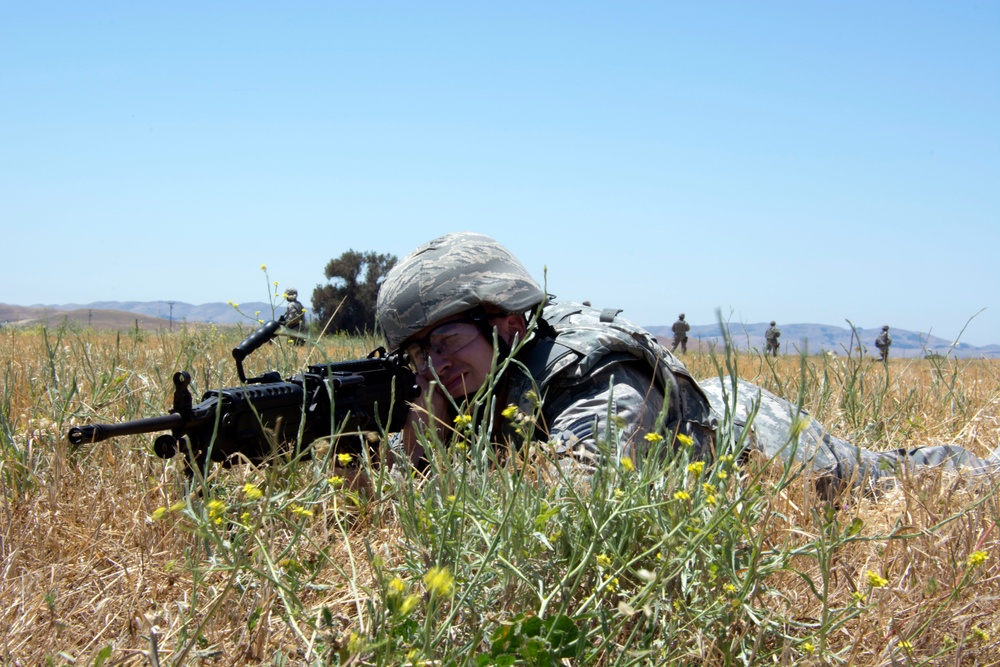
x=581, y=360
x=295, y=315
x=602, y=379
x=680, y=329
x=771, y=336
x=837, y=463
x=884, y=342
x=590, y=364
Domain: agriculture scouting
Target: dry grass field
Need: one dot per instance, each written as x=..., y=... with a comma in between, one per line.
x=107, y=559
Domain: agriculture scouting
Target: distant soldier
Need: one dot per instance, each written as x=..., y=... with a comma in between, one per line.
x=680, y=329
x=883, y=343
x=295, y=315
x=772, y=335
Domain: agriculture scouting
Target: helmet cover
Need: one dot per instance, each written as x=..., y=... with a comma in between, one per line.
x=450, y=275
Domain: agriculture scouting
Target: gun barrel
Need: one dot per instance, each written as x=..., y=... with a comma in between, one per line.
x=265, y=333
x=91, y=433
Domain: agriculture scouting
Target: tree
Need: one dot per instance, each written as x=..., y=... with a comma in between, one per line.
x=349, y=299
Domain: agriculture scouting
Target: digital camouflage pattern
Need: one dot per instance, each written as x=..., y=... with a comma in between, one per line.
x=448, y=276
x=771, y=337
x=884, y=342
x=835, y=462
x=574, y=369
x=295, y=313
x=295, y=317
x=571, y=362
x=577, y=357
x=680, y=329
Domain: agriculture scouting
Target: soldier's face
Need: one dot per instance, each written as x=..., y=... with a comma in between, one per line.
x=457, y=352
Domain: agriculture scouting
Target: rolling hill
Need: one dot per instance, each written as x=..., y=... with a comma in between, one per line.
x=795, y=338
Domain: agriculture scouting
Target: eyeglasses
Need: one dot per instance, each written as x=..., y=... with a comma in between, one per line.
x=443, y=340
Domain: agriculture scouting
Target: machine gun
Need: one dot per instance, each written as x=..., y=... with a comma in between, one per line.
x=266, y=415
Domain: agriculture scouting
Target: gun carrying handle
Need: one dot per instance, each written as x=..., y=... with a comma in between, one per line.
x=252, y=342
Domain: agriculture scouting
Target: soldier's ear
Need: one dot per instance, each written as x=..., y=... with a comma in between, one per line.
x=510, y=325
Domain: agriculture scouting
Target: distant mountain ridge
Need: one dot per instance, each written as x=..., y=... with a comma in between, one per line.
x=795, y=338
x=215, y=313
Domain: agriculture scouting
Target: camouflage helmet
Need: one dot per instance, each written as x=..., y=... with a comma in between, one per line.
x=448, y=276
x=885, y=328
x=291, y=293
x=773, y=323
x=681, y=316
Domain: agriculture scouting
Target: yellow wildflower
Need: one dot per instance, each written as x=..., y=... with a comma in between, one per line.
x=653, y=438
x=696, y=467
x=178, y=506
x=439, y=581
x=397, y=585
x=603, y=560
x=685, y=440
x=876, y=581
x=799, y=425
x=980, y=634
x=252, y=491
x=263, y=267
x=344, y=458
x=808, y=647
x=627, y=464
x=509, y=412
x=682, y=495
x=159, y=513
x=336, y=481
x=976, y=558
x=409, y=604
x=722, y=474
x=463, y=421
x=905, y=645
x=215, y=508
x=301, y=511
x=710, y=499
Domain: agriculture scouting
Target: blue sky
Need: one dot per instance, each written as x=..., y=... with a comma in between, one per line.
x=804, y=162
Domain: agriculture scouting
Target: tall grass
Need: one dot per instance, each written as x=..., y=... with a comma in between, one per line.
x=493, y=557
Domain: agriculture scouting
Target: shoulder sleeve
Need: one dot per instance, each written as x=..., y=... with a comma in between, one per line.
x=605, y=417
